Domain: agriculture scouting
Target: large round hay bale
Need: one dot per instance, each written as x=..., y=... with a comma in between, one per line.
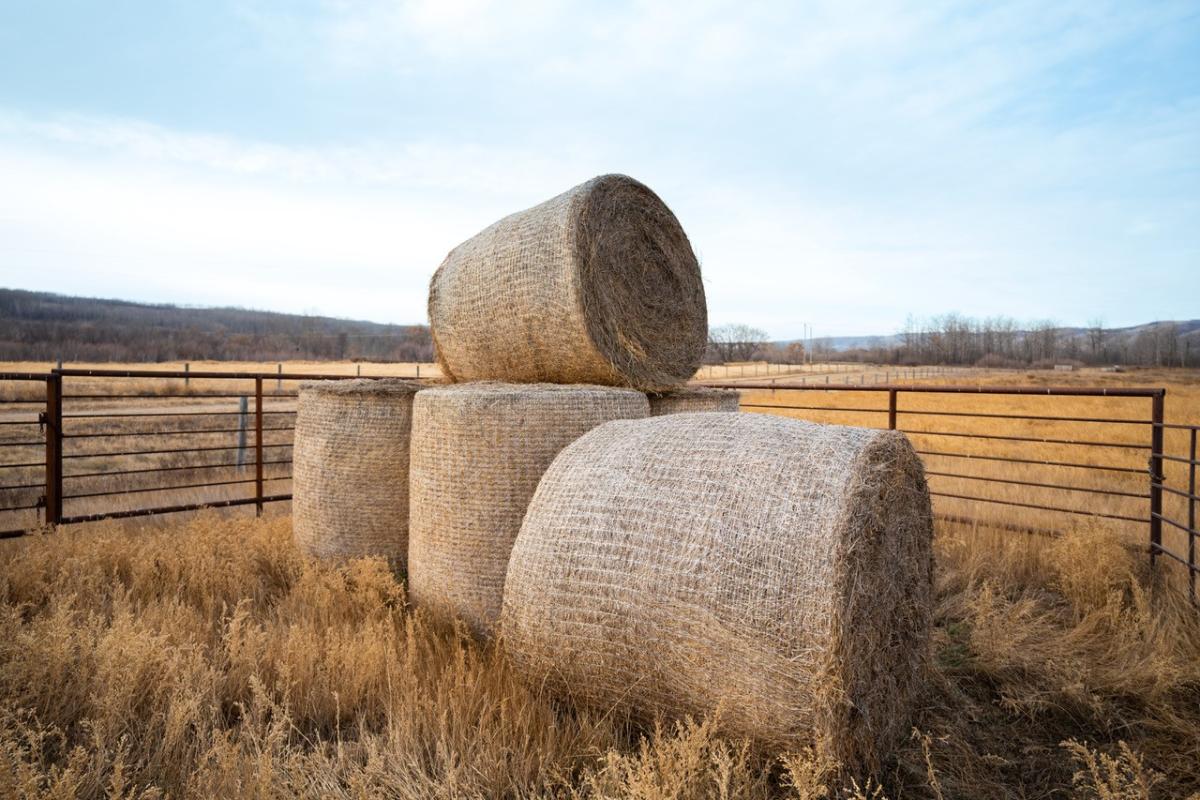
x=479, y=450
x=598, y=285
x=350, y=468
x=775, y=569
x=685, y=401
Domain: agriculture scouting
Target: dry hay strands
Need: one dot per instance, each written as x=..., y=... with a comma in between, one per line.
x=683, y=401
x=479, y=450
x=350, y=468
x=773, y=571
x=598, y=285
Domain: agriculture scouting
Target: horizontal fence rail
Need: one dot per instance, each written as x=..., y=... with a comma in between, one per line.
x=79, y=445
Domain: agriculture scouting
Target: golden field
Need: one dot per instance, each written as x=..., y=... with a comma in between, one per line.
x=993, y=479
x=205, y=657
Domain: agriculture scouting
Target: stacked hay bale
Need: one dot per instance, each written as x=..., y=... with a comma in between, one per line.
x=774, y=569
x=598, y=285
x=350, y=469
x=478, y=452
x=684, y=401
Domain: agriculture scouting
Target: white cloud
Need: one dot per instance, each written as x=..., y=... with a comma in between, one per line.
x=105, y=208
x=433, y=165
x=922, y=58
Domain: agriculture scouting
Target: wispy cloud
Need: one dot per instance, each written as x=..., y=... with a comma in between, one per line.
x=414, y=164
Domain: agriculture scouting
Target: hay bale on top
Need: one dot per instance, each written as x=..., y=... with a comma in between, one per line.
x=478, y=453
x=777, y=569
x=684, y=401
x=598, y=285
x=350, y=468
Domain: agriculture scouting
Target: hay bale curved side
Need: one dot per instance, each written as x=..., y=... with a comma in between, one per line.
x=350, y=469
x=684, y=401
x=777, y=569
x=597, y=285
x=478, y=453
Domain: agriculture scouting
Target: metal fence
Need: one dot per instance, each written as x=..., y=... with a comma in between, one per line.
x=1188, y=498
x=82, y=445
x=1036, y=459
x=86, y=445
x=825, y=372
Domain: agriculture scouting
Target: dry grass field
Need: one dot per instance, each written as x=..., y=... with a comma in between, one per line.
x=204, y=657
x=209, y=659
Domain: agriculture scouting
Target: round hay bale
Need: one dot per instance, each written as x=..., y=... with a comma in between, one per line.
x=598, y=285
x=350, y=469
x=479, y=450
x=684, y=401
x=778, y=571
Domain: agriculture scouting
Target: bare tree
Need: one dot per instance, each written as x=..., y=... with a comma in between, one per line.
x=1095, y=333
x=1041, y=340
x=736, y=342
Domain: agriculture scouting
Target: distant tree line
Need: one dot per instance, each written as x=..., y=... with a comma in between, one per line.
x=737, y=342
x=954, y=339
x=1004, y=342
x=36, y=326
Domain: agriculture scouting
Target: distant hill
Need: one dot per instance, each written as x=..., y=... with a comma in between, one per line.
x=39, y=326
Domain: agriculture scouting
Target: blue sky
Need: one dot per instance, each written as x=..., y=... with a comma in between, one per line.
x=843, y=164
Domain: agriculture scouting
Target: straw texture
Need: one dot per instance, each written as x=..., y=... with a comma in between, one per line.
x=775, y=569
x=684, y=401
x=478, y=453
x=598, y=285
x=350, y=469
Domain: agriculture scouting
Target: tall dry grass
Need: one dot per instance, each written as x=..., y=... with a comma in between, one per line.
x=210, y=659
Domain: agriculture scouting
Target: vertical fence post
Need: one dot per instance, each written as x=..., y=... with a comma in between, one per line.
x=1192, y=520
x=54, y=438
x=243, y=418
x=1156, y=475
x=258, y=447
x=418, y=370
x=279, y=381
x=891, y=409
x=187, y=380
